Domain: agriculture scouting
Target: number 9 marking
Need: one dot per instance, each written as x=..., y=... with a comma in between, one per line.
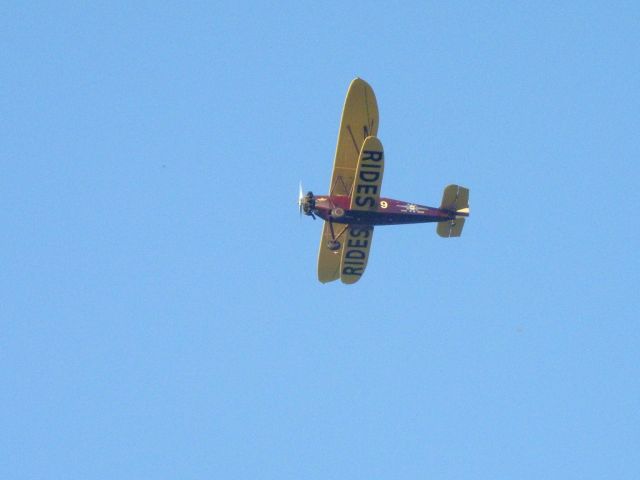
x=384, y=204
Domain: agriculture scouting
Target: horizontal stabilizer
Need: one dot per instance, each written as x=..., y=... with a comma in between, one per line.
x=451, y=228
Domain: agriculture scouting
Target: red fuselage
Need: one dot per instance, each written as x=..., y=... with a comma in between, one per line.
x=387, y=212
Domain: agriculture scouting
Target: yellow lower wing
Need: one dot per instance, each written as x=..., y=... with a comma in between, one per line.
x=359, y=121
x=355, y=252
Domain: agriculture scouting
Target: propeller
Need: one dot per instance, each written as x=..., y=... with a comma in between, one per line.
x=300, y=198
x=301, y=202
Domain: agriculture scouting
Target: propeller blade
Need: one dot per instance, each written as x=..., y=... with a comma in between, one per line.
x=300, y=197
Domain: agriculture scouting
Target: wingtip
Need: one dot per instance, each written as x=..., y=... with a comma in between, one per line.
x=359, y=82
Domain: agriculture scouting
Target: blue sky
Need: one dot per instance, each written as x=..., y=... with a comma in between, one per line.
x=160, y=313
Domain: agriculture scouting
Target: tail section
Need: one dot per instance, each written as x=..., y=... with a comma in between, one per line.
x=456, y=199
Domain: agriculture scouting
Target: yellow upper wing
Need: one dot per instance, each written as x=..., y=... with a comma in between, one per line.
x=368, y=176
x=359, y=121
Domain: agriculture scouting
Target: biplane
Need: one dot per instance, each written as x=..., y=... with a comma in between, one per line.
x=353, y=206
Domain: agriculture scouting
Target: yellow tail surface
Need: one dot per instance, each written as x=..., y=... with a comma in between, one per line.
x=456, y=199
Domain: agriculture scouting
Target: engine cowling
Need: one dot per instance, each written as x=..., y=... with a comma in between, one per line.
x=308, y=204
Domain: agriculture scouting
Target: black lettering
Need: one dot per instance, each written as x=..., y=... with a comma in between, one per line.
x=353, y=263
x=365, y=201
x=352, y=271
x=356, y=242
x=369, y=176
x=355, y=255
x=372, y=189
x=356, y=232
x=371, y=155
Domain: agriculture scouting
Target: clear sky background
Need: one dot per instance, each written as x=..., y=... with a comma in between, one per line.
x=160, y=313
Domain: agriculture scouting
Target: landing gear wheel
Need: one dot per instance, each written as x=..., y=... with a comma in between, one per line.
x=333, y=245
x=337, y=212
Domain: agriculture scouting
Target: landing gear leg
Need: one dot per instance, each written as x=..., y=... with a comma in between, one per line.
x=333, y=244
